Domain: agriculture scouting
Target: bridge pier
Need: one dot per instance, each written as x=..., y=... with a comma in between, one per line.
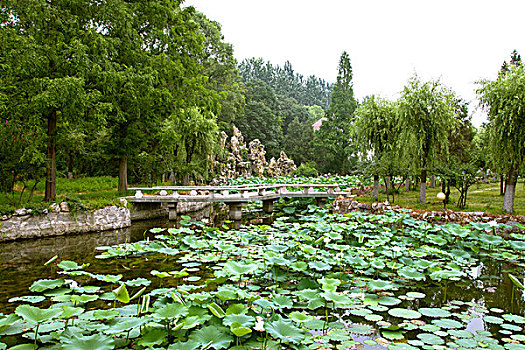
x=235, y=214
x=172, y=211
x=268, y=210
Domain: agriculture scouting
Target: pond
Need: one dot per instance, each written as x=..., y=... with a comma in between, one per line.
x=312, y=280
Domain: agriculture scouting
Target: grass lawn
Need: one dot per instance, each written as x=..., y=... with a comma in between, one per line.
x=88, y=192
x=481, y=197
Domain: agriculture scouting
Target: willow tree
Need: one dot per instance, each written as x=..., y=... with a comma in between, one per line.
x=504, y=100
x=425, y=118
x=377, y=134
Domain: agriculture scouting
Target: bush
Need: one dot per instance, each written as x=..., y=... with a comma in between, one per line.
x=306, y=169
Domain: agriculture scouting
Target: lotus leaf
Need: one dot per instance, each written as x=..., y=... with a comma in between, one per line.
x=447, y=323
x=401, y=346
x=373, y=318
x=493, y=319
x=514, y=318
x=404, y=313
x=71, y=265
x=83, y=298
x=300, y=317
x=319, y=266
x=518, y=337
x=389, y=301
x=243, y=320
x=411, y=273
x=105, y=314
x=152, y=337
x=33, y=299
x=415, y=295
x=125, y=324
x=430, y=339
x=381, y=285
x=171, y=311
x=236, y=269
x=434, y=312
x=460, y=333
x=44, y=284
x=338, y=298
x=282, y=302
x=361, y=329
x=285, y=331
x=238, y=330
x=392, y=335
x=511, y=327
x=35, y=315
x=212, y=336
x=514, y=346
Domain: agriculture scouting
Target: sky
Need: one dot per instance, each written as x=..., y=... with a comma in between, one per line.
x=458, y=42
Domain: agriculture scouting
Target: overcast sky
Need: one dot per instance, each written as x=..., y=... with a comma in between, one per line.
x=457, y=41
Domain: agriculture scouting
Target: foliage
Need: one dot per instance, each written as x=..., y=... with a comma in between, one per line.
x=251, y=296
x=306, y=169
x=504, y=99
x=426, y=113
x=334, y=142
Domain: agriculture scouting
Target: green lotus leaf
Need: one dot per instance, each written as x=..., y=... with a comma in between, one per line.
x=105, y=314
x=360, y=329
x=189, y=345
x=518, y=337
x=404, y=313
x=511, y=327
x=447, y=323
x=300, y=317
x=237, y=269
x=389, y=301
x=393, y=335
x=415, y=295
x=33, y=299
x=514, y=318
x=24, y=347
x=514, y=346
x=212, y=337
x=319, y=266
x=373, y=317
x=68, y=311
x=460, y=333
x=265, y=304
x=236, y=309
x=377, y=264
x=285, y=331
x=516, y=281
x=92, y=342
x=239, y=331
x=466, y=343
x=216, y=310
x=337, y=298
x=152, y=337
x=329, y=284
x=125, y=324
x=121, y=294
x=8, y=321
x=44, y=284
x=411, y=273
x=381, y=285
x=243, y=320
x=306, y=294
x=138, y=282
x=171, y=311
x=430, y=339
x=83, y=298
x=299, y=266
x=446, y=274
x=68, y=265
x=493, y=319
x=35, y=315
x=3, y=346
x=434, y=312
x=339, y=335
x=360, y=312
x=401, y=346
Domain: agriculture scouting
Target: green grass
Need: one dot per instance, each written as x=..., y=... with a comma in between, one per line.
x=81, y=193
x=481, y=198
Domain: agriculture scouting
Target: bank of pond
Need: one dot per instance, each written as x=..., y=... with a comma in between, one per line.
x=311, y=280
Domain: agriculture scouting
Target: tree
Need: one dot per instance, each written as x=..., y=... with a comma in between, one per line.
x=333, y=142
x=46, y=55
x=426, y=112
x=298, y=141
x=261, y=118
x=504, y=100
x=377, y=134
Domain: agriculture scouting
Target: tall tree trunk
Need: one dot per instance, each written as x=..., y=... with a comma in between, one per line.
x=423, y=188
x=51, y=168
x=407, y=184
x=433, y=181
x=510, y=190
x=376, y=187
x=123, y=174
x=70, y=166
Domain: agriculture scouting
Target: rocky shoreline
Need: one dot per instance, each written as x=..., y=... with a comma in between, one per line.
x=60, y=220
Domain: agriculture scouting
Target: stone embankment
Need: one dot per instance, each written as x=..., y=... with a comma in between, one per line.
x=344, y=205
x=60, y=220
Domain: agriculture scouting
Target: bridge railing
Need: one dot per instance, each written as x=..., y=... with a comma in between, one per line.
x=244, y=190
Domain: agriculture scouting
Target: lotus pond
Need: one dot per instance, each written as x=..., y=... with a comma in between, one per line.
x=312, y=280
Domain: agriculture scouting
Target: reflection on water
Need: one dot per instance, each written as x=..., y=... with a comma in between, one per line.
x=22, y=262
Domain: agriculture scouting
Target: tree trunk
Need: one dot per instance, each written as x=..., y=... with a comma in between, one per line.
x=501, y=185
x=70, y=166
x=123, y=174
x=407, y=184
x=376, y=187
x=423, y=188
x=51, y=168
x=433, y=181
x=510, y=190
